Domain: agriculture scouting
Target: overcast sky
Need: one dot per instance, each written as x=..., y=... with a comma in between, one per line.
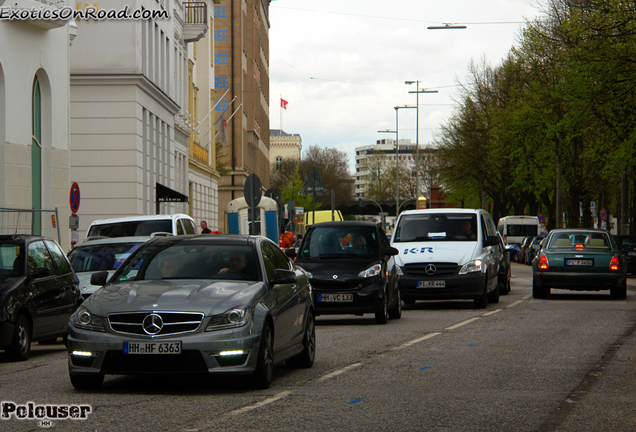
x=341, y=64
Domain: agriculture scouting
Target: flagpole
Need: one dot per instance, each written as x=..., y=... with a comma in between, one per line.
x=280, y=107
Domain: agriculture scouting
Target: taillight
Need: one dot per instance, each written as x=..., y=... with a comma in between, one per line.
x=614, y=263
x=579, y=247
x=543, y=262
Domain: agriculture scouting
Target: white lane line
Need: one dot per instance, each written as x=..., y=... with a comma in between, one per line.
x=267, y=401
x=492, y=312
x=463, y=323
x=515, y=303
x=414, y=341
x=526, y=297
x=338, y=372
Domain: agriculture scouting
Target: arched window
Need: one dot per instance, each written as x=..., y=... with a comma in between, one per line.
x=36, y=155
x=278, y=163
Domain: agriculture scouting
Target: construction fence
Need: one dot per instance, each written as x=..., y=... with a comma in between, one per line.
x=30, y=221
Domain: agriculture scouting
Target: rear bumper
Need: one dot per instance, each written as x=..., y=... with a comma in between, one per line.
x=578, y=281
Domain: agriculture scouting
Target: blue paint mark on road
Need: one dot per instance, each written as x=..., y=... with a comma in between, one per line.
x=425, y=367
x=472, y=345
x=521, y=317
x=355, y=401
x=502, y=329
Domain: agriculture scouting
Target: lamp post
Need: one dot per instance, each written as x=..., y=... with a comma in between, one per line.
x=417, y=132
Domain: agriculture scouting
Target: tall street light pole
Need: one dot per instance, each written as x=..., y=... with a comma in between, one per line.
x=397, y=196
x=417, y=132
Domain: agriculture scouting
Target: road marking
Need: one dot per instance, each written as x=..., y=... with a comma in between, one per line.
x=463, y=323
x=514, y=304
x=267, y=401
x=338, y=372
x=526, y=297
x=492, y=312
x=414, y=341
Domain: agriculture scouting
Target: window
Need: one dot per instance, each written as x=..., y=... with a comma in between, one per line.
x=38, y=256
x=278, y=163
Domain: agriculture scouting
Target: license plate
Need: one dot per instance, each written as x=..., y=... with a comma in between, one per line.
x=152, y=347
x=579, y=262
x=631, y=253
x=335, y=298
x=431, y=284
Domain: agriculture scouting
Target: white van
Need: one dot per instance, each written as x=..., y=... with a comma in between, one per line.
x=513, y=229
x=134, y=226
x=448, y=253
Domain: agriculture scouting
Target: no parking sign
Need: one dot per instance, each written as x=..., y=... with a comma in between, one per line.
x=603, y=214
x=74, y=198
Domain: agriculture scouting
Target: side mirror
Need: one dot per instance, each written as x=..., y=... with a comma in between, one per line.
x=99, y=278
x=391, y=251
x=41, y=272
x=291, y=252
x=284, y=276
x=491, y=241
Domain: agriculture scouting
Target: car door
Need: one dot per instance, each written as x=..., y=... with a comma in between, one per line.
x=288, y=312
x=494, y=256
x=48, y=292
x=67, y=278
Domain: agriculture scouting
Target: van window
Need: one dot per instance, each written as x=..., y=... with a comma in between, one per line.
x=130, y=229
x=436, y=227
x=522, y=230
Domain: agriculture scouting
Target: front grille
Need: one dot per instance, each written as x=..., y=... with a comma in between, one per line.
x=116, y=362
x=173, y=322
x=335, y=284
x=441, y=269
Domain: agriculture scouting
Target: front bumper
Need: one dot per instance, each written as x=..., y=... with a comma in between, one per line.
x=200, y=353
x=466, y=286
x=366, y=298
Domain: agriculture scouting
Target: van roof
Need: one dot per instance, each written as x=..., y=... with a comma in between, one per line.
x=444, y=210
x=141, y=218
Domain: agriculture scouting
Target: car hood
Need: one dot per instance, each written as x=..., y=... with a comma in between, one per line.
x=323, y=269
x=210, y=298
x=446, y=251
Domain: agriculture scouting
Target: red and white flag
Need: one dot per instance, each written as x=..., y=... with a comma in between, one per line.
x=283, y=103
x=221, y=126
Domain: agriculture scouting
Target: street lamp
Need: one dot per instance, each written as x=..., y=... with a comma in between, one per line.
x=446, y=26
x=417, y=131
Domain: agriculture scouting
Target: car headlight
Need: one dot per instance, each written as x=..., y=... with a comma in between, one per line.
x=473, y=266
x=84, y=319
x=374, y=270
x=231, y=318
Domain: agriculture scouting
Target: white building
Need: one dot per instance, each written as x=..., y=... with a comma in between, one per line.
x=283, y=145
x=34, y=115
x=130, y=123
x=384, y=149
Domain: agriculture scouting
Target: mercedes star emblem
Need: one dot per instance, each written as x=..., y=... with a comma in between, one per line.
x=430, y=269
x=335, y=276
x=152, y=324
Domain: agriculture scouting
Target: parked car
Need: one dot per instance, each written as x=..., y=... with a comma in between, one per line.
x=580, y=260
x=351, y=269
x=533, y=248
x=98, y=255
x=135, y=226
x=505, y=269
x=523, y=247
x=439, y=260
x=222, y=304
x=627, y=245
x=38, y=293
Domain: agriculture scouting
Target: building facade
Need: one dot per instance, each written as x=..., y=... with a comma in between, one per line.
x=34, y=117
x=241, y=36
x=283, y=145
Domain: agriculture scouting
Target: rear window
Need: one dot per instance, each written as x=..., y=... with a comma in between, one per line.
x=580, y=240
x=522, y=230
x=436, y=227
x=130, y=229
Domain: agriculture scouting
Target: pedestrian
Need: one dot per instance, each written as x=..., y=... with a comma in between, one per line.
x=204, y=228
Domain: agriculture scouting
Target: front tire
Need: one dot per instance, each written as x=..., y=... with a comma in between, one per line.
x=20, y=347
x=482, y=301
x=396, y=312
x=262, y=377
x=493, y=297
x=306, y=358
x=382, y=317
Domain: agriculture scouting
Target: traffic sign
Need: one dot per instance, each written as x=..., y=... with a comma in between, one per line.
x=541, y=217
x=313, y=184
x=74, y=197
x=252, y=190
x=603, y=215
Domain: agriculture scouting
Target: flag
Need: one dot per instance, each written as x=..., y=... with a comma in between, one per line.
x=283, y=103
x=221, y=125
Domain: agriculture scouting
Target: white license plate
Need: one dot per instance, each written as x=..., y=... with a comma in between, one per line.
x=152, y=347
x=579, y=262
x=335, y=298
x=431, y=284
x=631, y=253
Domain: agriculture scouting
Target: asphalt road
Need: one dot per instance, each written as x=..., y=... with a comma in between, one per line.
x=567, y=363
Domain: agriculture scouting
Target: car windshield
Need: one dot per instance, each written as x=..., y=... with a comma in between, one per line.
x=10, y=259
x=580, y=240
x=98, y=257
x=130, y=229
x=190, y=261
x=436, y=227
x=339, y=242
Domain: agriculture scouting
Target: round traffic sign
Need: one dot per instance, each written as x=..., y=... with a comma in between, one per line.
x=74, y=197
x=541, y=217
x=252, y=190
x=603, y=215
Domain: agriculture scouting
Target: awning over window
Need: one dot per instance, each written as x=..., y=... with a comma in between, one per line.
x=165, y=194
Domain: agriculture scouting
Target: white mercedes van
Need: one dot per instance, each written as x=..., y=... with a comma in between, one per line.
x=513, y=229
x=134, y=226
x=448, y=253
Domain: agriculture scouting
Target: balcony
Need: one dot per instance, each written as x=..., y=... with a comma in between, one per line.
x=49, y=5
x=196, y=21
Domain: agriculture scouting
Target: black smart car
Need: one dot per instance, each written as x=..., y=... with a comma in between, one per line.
x=38, y=293
x=351, y=269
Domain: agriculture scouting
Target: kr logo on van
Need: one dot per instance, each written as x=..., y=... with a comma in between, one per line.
x=424, y=249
